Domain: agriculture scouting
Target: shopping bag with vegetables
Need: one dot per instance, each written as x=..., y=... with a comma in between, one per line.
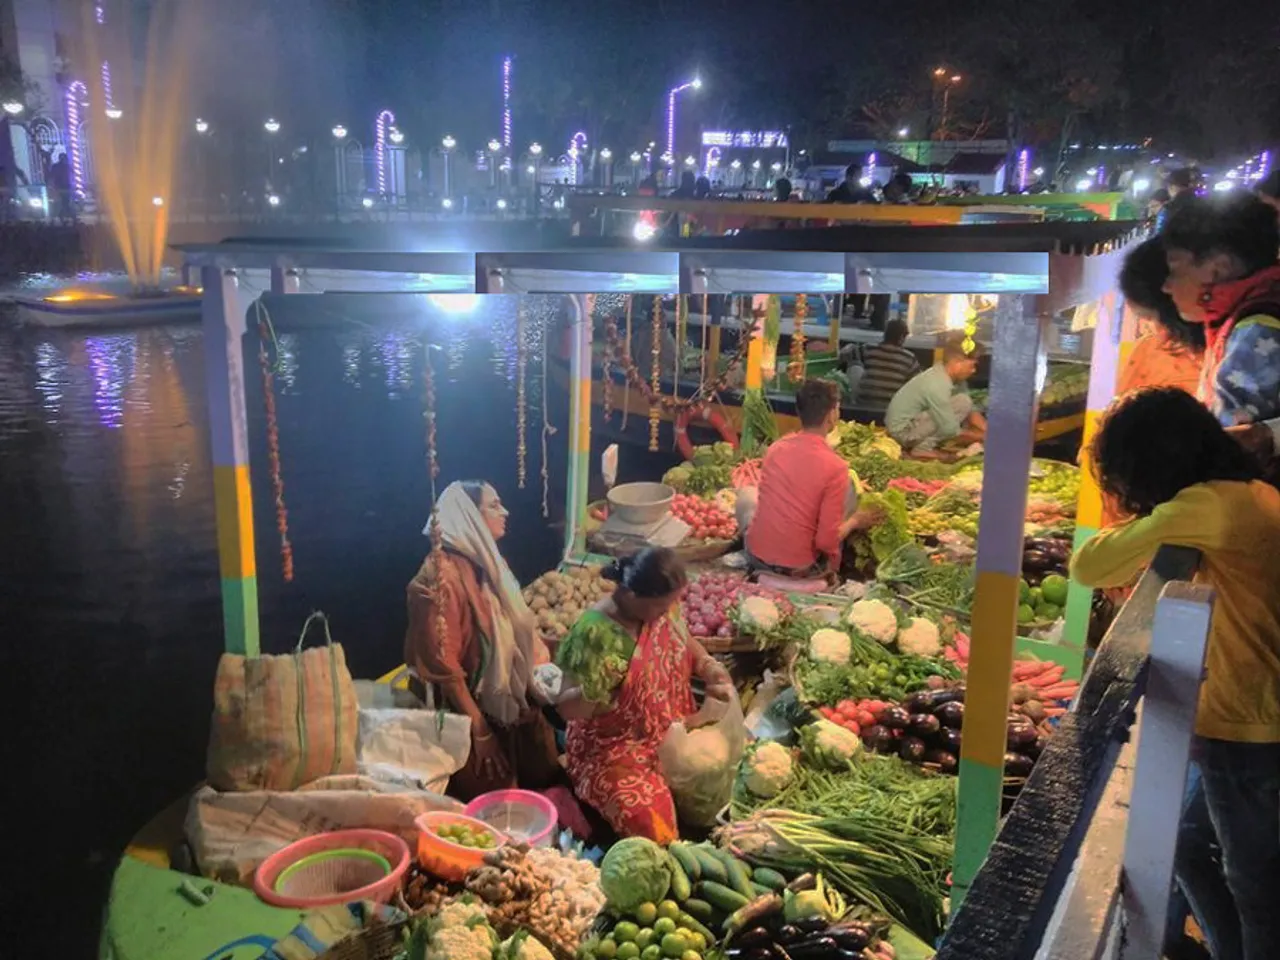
x=700, y=765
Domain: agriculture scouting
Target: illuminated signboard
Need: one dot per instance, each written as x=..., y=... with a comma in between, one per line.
x=760, y=139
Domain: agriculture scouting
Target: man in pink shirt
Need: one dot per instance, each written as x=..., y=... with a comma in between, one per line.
x=806, y=503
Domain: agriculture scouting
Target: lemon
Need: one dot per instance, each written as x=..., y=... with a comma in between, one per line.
x=691, y=955
x=651, y=952
x=625, y=932
x=606, y=949
x=673, y=946
x=696, y=940
x=646, y=913
x=669, y=908
x=645, y=937
x=663, y=926
x=628, y=951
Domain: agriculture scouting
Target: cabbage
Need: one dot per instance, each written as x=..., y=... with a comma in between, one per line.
x=635, y=871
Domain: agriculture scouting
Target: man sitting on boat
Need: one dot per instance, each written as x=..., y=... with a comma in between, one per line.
x=886, y=367
x=930, y=408
x=806, y=503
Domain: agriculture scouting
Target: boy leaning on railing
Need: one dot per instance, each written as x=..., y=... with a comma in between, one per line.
x=1169, y=463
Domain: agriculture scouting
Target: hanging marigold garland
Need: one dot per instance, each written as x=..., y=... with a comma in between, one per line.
x=522, y=362
x=607, y=372
x=626, y=381
x=547, y=429
x=655, y=374
x=435, y=589
x=682, y=328
x=267, y=331
x=637, y=379
x=798, y=356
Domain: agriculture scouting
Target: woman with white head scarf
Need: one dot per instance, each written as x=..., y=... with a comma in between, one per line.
x=472, y=645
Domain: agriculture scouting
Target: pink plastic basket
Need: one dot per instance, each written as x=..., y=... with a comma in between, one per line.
x=522, y=815
x=332, y=868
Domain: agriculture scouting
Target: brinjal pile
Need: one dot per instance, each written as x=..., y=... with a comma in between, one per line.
x=1042, y=556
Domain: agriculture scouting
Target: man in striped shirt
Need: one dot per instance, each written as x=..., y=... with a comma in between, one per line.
x=886, y=367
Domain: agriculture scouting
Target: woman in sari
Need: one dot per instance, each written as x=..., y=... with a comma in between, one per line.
x=628, y=664
x=472, y=646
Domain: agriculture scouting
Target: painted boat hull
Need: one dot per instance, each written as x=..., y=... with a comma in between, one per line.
x=106, y=314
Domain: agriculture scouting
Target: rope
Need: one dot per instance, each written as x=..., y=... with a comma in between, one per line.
x=706, y=336
x=522, y=354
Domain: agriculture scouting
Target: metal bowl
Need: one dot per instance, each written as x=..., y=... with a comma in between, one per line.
x=641, y=504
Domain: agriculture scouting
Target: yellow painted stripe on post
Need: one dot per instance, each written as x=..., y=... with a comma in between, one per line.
x=233, y=503
x=584, y=416
x=990, y=668
x=1126, y=348
x=1089, y=508
x=755, y=361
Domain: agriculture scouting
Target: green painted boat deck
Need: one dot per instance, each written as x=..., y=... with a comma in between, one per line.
x=148, y=918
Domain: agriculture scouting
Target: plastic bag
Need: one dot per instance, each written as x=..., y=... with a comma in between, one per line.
x=420, y=748
x=700, y=765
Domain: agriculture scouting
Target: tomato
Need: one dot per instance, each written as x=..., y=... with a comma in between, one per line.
x=847, y=708
x=827, y=712
x=853, y=728
x=866, y=718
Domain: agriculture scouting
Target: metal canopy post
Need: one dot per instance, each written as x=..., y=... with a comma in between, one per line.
x=223, y=325
x=580, y=332
x=1018, y=367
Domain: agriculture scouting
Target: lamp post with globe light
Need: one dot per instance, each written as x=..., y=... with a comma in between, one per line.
x=12, y=109
x=535, y=151
x=448, y=143
x=606, y=158
x=495, y=148
x=339, y=166
x=636, y=157
x=672, y=94
x=272, y=126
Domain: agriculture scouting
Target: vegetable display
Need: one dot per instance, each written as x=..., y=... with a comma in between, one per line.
x=558, y=599
x=707, y=520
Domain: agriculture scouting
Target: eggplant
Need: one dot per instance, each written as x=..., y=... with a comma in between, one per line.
x=1037, y=748
x=1022, y=733
x=895, y=718
x=921, y=702
x=923, y=725
x=819, y=948
x=767, y=952
x=878, y=739
x=949, y=739
x=946, y=762
x=1036, y=560
x=1017, y=765
x=810, y=926
x=789, y=934
x=951, y=714
x=851, y=938
x=912, y=749
x=753, y=939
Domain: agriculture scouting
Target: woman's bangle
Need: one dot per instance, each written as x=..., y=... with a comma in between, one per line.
x=481, y=737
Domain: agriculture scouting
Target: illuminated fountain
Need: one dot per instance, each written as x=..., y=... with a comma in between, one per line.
x=136, y=126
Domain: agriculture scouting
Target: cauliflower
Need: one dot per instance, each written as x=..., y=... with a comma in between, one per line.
x=768, y=770
x=875, y=618
x=830, y=646
x=759, y=612
x=920, y=637
x=829, y=745
x=459, y=931
x=522, y=946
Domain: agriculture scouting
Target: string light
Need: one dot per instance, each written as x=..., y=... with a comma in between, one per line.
x=506, y=102
x=626, y=381
x=77, y=95
x=382, y=126
x=798, y=339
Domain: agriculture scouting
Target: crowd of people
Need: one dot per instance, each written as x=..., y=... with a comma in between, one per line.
x=1185, y=457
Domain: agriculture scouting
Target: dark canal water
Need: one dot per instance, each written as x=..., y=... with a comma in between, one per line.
x=108, y=570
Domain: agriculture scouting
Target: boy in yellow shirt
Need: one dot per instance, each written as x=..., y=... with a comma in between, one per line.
x=1168, y=462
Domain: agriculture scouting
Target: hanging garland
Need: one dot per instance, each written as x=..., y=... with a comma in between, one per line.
x=522, y=362
x=626, y=381
x=267, y=331
x=547, y=428
x=682, y=328
x=655, y=372
x=434, y=588
x=798, y=356
x=772, y=333
x=637, y=379
x=607, y=371
x=706, y=333
x=970, y=326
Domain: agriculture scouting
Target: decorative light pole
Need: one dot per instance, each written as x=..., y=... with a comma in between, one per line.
x=606, y=157
x=383, y=125
x=340, y=168
x=636, y=157
x=506, y=102
x=272, y=126
x=495, y=149
x=535, y=151
x=448, y=143
x=694, y=84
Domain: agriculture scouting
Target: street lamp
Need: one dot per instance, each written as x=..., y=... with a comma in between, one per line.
x=495, y=147
x=448, y=143
x=12, y=107
x=272, y=125
x=944, y=78
x=690, y=161
x=606, y=155
x=903, y=133
x=113, y=113
x=694, y=84
x=396, y=136
x=339, y=132
x=202, y=126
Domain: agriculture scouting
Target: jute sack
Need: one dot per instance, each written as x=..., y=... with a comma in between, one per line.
x=282, y=721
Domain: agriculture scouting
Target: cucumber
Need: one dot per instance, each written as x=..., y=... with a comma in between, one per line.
x=768, y=878
x=738, y=872
x=718, y=895
x=688, y=862
x=761, y=890
x=711, y=867
x=681, y=888
x=699, y=909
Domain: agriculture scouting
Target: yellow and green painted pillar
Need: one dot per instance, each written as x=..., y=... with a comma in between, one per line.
x=1109, y=352
x=580, y=336
x=223, y=323
x=1017, y=366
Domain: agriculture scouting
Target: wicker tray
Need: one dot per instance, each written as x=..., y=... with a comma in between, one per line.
x=697, y=551
x=378, y=941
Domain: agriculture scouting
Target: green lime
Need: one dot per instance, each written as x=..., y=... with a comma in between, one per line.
x=669, y=908
x=628, y=951
x=696, y=940
x=691, y=955
x=645, y=937
x=663, y=926
x=625, y=932
x=652, y=952
x=646, y=913
x=674, y=946
x=606, y=949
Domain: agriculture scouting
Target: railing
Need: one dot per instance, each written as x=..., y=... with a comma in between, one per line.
x=1082, y=867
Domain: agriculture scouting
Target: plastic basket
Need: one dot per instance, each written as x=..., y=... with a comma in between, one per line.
x=333, y=868
x=444, y=858
x=523, y=816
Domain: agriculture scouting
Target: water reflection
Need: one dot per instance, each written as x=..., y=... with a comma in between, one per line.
x=51, y=378
x=111, y=364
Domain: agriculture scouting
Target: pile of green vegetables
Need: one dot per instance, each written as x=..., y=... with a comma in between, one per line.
x=874, y=546
x=932, y=586
x=710, y=469
x=872, y=672
x=759, y=426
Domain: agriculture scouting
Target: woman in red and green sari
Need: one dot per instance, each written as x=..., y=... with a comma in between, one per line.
x=629, y=663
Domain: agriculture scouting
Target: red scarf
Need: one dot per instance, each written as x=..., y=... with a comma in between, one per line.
x=1224, y=305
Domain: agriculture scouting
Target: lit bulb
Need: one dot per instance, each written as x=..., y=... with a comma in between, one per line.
x=643, y=231
x=690, y=161
x=113, y=113
x=367, y=203
x=736, y=164
x=12, y=107
x=272, y=125
x=776, y=168
x=635, y=156
x=755, y=164
x=535, y=149
x=447, y=203
x=273, y=200
x=157, y=201
x=395, y=136
x=202, y=126
x=494, y=146
x=606, y=154
x=502, y=204
x=531, y=170
x=339, y=132
x=449, y=143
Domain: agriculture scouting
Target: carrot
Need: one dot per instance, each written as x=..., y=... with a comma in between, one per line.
x=1026, y=669
x=1063, y=691
x=1048, y=677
